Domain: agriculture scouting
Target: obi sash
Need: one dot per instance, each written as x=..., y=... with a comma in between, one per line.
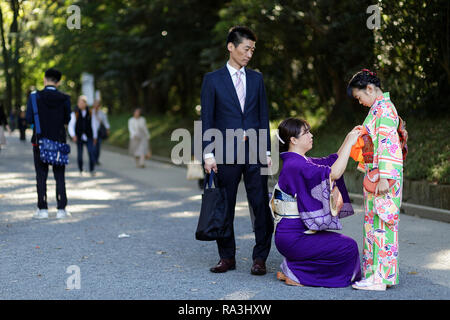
x=283, y=205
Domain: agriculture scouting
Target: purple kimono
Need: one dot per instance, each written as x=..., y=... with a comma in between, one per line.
x=326, y=258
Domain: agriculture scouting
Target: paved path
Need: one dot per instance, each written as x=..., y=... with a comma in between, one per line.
x=159, y=208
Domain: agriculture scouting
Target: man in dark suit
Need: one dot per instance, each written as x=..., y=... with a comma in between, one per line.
x=233, y=98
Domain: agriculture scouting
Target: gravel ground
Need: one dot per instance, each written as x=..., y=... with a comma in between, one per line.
x=158, y=208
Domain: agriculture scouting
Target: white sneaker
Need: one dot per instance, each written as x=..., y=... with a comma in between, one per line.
x=61, y=214
x=41, y=214
x=364, y=282
x=368, y=284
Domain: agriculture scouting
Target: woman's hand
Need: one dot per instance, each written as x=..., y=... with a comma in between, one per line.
x=382, y=187
x=338, y=168
x=353, y=135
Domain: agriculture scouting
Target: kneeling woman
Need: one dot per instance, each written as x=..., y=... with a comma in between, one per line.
x=313, y=255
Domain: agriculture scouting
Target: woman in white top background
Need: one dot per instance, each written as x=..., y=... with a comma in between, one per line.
x=83, y=130
x=139, y=138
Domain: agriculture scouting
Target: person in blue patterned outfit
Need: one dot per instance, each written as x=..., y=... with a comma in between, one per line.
x=54, y=115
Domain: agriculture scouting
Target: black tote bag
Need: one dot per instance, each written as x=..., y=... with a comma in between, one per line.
x=213, y=223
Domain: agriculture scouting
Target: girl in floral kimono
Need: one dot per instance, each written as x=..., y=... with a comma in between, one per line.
x=382, y=207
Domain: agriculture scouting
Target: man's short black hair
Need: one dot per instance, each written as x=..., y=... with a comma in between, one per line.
x=53, y=75
x=238, y=33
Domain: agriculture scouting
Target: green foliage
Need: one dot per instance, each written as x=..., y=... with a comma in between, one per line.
x=413, y=55
x=153, y=54
x=429, y=150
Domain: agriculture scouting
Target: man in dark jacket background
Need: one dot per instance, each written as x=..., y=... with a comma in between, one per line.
x=54, y=115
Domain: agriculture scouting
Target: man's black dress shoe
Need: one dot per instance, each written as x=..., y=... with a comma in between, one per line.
x=224, y=265
x=259, y=267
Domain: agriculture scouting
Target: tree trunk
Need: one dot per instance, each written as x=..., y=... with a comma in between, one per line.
x=8, y=96
x=17, y=72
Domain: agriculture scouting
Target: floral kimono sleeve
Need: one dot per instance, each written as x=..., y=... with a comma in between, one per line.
x=388, y=151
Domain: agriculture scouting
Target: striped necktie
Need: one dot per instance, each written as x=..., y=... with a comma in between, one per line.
x=240, y=89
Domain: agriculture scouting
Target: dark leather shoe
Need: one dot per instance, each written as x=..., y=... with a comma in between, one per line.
x=259, y=267
x=224, y=265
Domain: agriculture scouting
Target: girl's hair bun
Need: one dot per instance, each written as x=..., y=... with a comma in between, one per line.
x=362, y=79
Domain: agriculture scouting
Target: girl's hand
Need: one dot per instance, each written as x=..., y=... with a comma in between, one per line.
x=382, y=187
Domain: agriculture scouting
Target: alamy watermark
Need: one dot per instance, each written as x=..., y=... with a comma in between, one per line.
x=74, y=280
x=374, y=20
x=74, y=20
x=229, y=148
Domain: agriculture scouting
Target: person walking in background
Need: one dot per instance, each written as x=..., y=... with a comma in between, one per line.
x=53, y=109
x=101, y=122
x=382, y=205
x=22, y=125
x=83, y=130
x=139, y=138
x=3, y=125
x=12, y=119
x=234, y=97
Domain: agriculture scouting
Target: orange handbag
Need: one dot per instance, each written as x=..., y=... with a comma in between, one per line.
x=371, y=180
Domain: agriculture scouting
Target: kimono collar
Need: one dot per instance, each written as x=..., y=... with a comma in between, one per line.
x=384, y=96
x=289, y=155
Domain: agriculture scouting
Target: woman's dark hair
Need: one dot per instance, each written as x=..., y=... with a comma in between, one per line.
x=361, y=79
x=238, y=33
x=290, y=127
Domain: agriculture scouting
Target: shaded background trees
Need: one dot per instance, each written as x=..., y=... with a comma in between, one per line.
x=153, y=54
x=413, y=50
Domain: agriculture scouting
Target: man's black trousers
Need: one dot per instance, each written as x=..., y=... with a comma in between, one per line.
x=41, y=182
x=257, y=193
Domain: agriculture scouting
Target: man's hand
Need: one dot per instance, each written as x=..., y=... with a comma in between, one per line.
x=382, y=187
x=269, y=161
x=210, y=164
x=74, y=139
x=95, y=142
